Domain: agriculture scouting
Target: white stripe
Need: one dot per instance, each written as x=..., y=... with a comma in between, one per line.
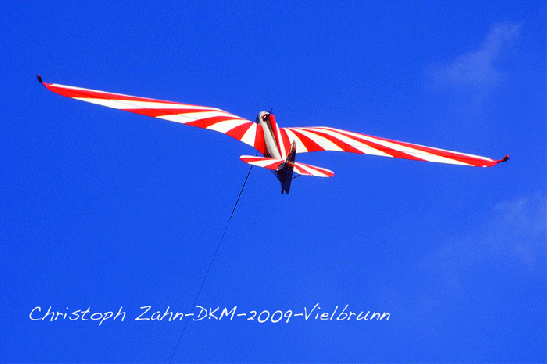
x=250, y=135
x=264, y=163
x=321, y=141
x=280, y=143
x=255, y=158
x=208, y=114
x=186, y=118
x=366, y=149
x=132, y=104
x=305, y=169
x=183, y=119
x=417, y=153
x=153, y=103
x=301, y=169
x=430, y=157
x=260, y=162
x=226, y=126
x=300, y=147
x=87, y=89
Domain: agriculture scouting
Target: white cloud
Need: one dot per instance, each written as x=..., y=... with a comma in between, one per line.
x=514, y=237
x=513, y=240
x=519, y=229
x=477, y=69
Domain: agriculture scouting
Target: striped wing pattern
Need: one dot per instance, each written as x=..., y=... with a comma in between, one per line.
x=274, y=163
x=241, y=129
x=313, y=139
x=268, y=163
x=309, y=170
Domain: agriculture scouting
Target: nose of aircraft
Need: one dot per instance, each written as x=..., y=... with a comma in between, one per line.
x=263, y=115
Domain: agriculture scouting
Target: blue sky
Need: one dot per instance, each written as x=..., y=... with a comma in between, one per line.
x=105, y=209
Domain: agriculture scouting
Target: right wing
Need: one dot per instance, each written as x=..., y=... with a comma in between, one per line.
x=203, y=117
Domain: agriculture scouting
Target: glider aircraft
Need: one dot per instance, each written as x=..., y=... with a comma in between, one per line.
x=279, y=146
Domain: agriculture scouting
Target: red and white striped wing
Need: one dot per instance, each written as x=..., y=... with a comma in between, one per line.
x=313, y=139
x=241, y=129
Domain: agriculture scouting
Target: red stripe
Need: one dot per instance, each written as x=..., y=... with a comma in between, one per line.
x=85, y=93
x=321, y=170
x=207, y=122
x=274, y=128
x=250, y=159
x=300, y=170
x=310, y=145
x=258, y=159
x=259, y=140
x=342, y=145
x=272, y=162
x=381, y=148
x=286, y=141
x=460, y=157
x=163, y=112
x=239, y=131
x=273, y=165
x=318, y=169
x=68, y=92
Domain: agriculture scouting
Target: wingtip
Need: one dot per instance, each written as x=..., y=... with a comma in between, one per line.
x=39, y=79
x=504, y=159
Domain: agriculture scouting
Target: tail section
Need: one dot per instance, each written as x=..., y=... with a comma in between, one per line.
x=277, y=163
x=269, y=163
x=309, y=170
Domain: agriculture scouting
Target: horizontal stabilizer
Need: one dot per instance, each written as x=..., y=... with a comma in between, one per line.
x=275, y=163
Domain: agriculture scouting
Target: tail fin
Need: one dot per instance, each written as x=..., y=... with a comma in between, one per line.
x=274, y=163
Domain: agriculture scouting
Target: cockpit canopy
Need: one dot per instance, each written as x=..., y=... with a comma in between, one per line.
x=263, y=115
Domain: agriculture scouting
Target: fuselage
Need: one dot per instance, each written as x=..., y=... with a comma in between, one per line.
x=277, y=145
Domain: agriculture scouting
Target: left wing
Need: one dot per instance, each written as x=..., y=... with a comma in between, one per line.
x=322, y=138
x=210, y=118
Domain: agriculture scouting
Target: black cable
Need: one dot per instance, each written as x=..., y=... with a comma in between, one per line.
x=210, y=264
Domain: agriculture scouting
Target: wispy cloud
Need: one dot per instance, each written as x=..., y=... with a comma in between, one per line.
x=515, y=235
x=519, y=229
x=513, y=239
x=477, y=69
